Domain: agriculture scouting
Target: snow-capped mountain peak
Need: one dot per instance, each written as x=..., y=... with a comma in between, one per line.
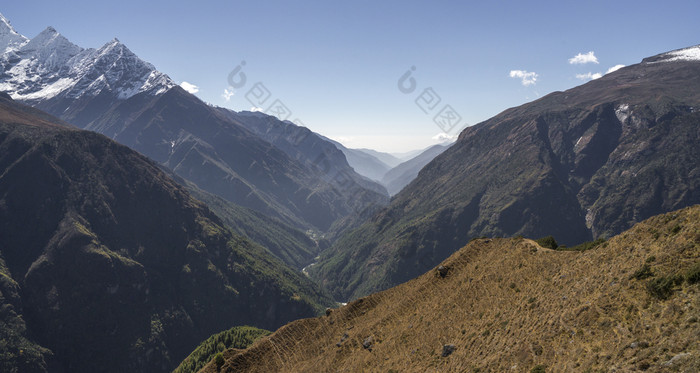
x=685, y=54
x=9, y=38
x=49, y=66
x=118, y=69
x=50, y=49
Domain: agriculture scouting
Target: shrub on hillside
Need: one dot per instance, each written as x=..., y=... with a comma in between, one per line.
x=693, y=274
x=548, y=242
x=662, y=287
x=642, y=273
x=212, y=348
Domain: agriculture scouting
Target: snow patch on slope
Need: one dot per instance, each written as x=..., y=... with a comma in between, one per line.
x=49, y=90
x=622, y=112
x=685, y=54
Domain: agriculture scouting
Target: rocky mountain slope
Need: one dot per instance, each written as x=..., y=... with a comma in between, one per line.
x=629, y=304
x=112, y=91
x=581, y=164
x=107, y=264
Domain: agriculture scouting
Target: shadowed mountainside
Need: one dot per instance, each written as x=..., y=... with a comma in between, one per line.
x=107, y=264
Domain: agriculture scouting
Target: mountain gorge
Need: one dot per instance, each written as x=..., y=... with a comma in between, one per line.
x=578, y=165
x=109, y=265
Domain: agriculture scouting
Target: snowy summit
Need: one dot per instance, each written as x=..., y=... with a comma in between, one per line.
x=9, y=38
x=50, y=66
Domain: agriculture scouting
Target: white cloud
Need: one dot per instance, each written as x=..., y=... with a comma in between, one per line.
x=614, y=68
x=256, y=109
x=443, y=137
x=189, y=87
x=583, y=58
x=527, y=78
x=588, y=76
x=228, y=93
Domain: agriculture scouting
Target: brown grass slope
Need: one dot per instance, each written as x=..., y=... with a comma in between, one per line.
x=511, y=305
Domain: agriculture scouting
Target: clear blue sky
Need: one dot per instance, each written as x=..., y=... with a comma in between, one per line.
x=335, y=65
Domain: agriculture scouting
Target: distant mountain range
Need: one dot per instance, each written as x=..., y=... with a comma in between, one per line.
x=363, y=163
x=388, y=159
x=390, y=171
x=581, y=164
x=107, y=264
x=402, y=174
x=111, y=91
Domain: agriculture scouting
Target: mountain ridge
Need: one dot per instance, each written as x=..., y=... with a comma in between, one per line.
x=578, y=165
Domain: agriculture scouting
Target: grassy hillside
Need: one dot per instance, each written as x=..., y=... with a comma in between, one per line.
x=631, y=303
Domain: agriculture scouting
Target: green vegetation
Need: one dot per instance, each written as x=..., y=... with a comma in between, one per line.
x=588, y=245
x=693, y=274
x=642, y=273
x=539, y=369
x=663, y=287
x=219, y=360
x=16, y=350
x=548, y=242
x=239, y=337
